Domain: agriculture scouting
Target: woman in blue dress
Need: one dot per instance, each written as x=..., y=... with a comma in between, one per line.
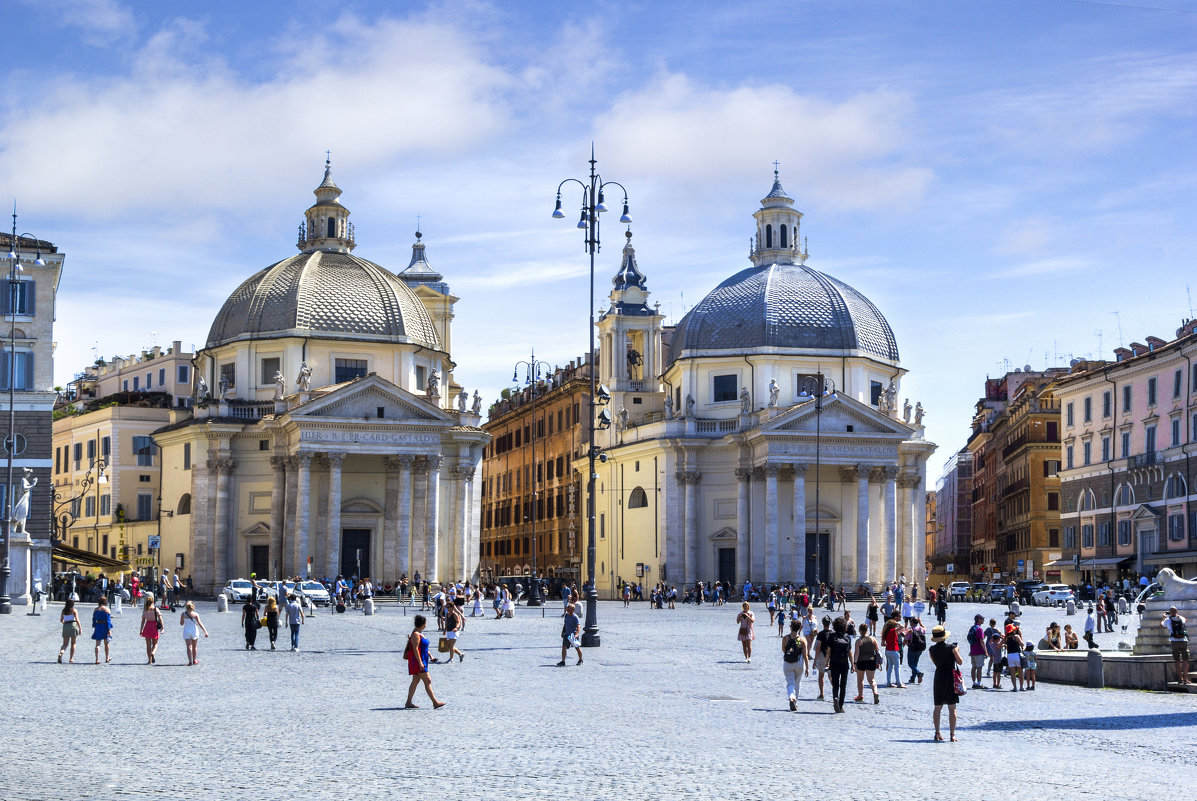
x=416, y=654
x=101, y=628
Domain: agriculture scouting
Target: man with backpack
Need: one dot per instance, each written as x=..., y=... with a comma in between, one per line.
x=976, y=650
x=1178, y=638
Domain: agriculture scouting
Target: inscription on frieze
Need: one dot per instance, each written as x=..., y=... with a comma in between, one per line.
x=369, y=437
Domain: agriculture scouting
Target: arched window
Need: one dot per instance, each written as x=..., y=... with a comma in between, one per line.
x=1125, y=496
x=184, y=505
x=1175, y=488
x=332, y=227
x=784, y=240
x=1088, y=502
x=768, y=236
x=638, y=499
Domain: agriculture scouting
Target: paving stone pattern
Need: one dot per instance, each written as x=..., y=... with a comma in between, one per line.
x=666, y=708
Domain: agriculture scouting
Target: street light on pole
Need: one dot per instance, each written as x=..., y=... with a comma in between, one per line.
x=14, y=288
x=532, y=379
x=593, y=204
x=807, y=386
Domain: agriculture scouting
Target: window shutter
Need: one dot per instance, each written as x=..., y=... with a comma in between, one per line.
x=28, y=360
x=30, y=289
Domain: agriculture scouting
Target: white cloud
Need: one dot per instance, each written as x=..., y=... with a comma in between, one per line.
x=101, y=21
x=846, y=153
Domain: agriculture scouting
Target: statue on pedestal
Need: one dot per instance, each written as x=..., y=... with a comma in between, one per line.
x=918, y=414
x=745, y=401
x=477, y=407
x=304, y=381
x=20, y=510
x=774, y=392
x=462, y=400
x=906, y=411
x=434, y=384
x=224, y=389
x=668, y=406
x=202, y=395
x=689, y=406
x=280, y=385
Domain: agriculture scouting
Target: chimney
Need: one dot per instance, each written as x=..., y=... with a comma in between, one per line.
x=176, y=346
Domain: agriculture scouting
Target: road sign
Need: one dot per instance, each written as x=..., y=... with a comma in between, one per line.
x=155, y=541
x=19, y=447
x=1021, y=562
x=951, y=568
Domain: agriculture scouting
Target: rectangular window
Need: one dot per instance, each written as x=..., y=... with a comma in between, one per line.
x=1106, y=399
x=148, y=382
x=1124, y=532
x=145, y=506
x=1087, y=535
x=1068, y=418
x=1053, y=430
x=162, y=377
x=25, y=292
x=105, y=447
x=1088, y=410
x=1105, y=449
x=1176, y=527
x=421, y=378
x=1053, y=538
x=1053, y=501
x=875, y=390
x=91, y=452
x=136, y=383
x=1193, y=428
x=1103, y=534
x=1087, y=452
x=1177, y=383
x=1176, y=431
x=184, y=374
x=144, y=449
x=105, y=505
x=24, y=370
x=1070, y=536
x=1126, y=399
x=89, y=506
x=1151, y=384
x=724, y=387
x=1150, y=446
x=58, y=460
x=1195, y=378
x=1125, y=445
x=125, y=385
x=1051, y=467
x=1068, y=458
x=78, y=454
x=228, y=373
x=269, y=368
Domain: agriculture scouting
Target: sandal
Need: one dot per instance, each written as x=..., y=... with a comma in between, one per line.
x=938, y=738
x=411, y=706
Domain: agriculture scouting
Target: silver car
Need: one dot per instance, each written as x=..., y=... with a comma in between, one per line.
x=237, y=590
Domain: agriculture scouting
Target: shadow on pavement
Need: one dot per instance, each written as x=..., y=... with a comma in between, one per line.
x=1118, y=722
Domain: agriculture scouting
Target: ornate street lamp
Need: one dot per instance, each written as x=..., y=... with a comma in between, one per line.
x=593, y=197
x=807, y=386
x=14, y=288
x=532, y=369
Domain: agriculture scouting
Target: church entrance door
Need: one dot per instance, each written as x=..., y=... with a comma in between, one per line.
x=727, y=565
x=259, y=561
x=818, y=558
x=355, y=552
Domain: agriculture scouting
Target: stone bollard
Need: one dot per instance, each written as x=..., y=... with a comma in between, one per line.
x=1097, y=678
x=368, y=606
x=1070, y=607
x=116, y=605
x=222, y=603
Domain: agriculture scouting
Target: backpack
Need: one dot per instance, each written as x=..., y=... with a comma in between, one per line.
x=1179, y=631
x=918, y=641
x=974, y=635
x=793, y=651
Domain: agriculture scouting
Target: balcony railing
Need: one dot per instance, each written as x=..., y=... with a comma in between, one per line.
x=1142, y=459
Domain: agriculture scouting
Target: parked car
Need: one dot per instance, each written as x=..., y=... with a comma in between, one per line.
x=980, y=591
x=1053, y=595
x=957, y=590
x=1026, y=589
x=237, y=591
x=314, y=591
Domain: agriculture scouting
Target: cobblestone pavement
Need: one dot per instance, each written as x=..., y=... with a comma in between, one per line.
x=666, y=708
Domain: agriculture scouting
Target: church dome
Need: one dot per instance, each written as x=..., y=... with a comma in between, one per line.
x=784, y=306
x=324, y=294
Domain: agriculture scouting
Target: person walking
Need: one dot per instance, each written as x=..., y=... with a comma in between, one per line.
x=941, y=608
x=945, y=656
x=916, y=644
x=819, y=649
x=1090, y=625
x=295, y=619
x=871, y=614
x=865, y=659
x=71, y=628
x=192, y=626
x=837, y=651
x=891, y=636
x=571, y=634
x=747, y=631
x=1014, y=645
x=453, y=624
x=795, y=662
x=1178, y=639
x=151, y=625
x=416, y=654
x=101, y=628
x=977, y=650
x=272, y=620
x=250, y=622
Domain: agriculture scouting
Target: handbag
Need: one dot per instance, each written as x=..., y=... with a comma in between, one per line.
x=262, y=621
x=159, y=619
x=443, y=645
x=957, y=682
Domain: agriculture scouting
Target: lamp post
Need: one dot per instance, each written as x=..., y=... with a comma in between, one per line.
x=14, y=288
x=592, y=206
x=532, y=370
x=807, y=386
x=66, y=510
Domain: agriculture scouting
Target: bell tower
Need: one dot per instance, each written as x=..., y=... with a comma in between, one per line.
x=778, y=226
x=326, y=224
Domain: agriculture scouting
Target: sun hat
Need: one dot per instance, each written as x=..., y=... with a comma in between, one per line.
x=939, y=633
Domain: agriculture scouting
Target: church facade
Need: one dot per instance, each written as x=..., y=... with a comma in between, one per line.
x=328, y=435
x=761, y=438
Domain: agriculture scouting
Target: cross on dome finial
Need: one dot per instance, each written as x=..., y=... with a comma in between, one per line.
x=327, y=158
x=776, y=164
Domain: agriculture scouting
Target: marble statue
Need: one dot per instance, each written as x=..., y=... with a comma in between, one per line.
x=906, y=411
x=918, y=413
x=202, y=395
x=689, y=406
x=774, y=392
x=224, y=389
x=891, y=398
x=668, y=406
x=280, y=385
x=304, y=381
x=623, y=419
x=462, y=400
x=20, y=511
x=1175, y=588
x=745, y=401
x=434, y=384
x=477, y=407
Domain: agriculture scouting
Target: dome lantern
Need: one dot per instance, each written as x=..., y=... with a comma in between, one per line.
x=777, y=227
x=326, y=225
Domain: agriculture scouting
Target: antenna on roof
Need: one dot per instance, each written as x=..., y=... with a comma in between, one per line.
x=1118, y=320
x=1189, y=295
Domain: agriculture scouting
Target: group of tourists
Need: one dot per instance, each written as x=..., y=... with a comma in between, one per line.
x=150, y=629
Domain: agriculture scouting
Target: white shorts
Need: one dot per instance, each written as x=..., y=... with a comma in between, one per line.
x=1014, y=660
x=450, y=635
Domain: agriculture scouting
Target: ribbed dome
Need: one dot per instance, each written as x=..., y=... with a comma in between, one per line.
x=784, y=306
x=321, y=293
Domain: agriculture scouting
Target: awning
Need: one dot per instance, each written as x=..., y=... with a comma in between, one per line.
x=1105, y=561
x=1173, y=557
x=76, y=556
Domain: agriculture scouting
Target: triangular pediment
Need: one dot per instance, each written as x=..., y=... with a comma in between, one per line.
x=839, y=412
x=724, y=535
x=362, y=399
x=1145, y=512
x=257, y=530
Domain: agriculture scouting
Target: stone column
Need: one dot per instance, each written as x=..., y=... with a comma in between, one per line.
x=798, y=533
x=845, y=540
x=419, y=518
x=889, y=496
x=906, y=487
x=675, y=558
x=461, y=532
x=331, y=552
x=743, y=479
x=690, y=480
x=287, y=564
x=303, y=506
x=403, y=532
x=203, y=570
x=389, y=538
x=278, y=501
x=222, y=556
x=772, y=544
x=433, y=534
x=920, y=526
x=863, y=552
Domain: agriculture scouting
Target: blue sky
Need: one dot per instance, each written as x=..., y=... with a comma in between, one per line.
x=999, y=178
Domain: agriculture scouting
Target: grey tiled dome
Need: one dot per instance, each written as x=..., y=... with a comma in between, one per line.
x=784, y=306
x=324, y=294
